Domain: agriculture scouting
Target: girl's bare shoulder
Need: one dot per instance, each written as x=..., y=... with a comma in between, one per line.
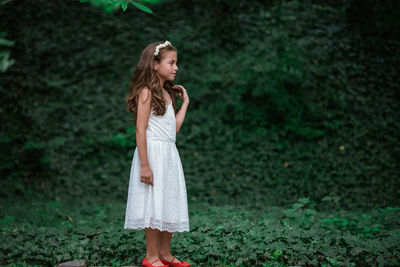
x=144, y=94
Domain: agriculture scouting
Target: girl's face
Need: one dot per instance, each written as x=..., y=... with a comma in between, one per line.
x=167, y=68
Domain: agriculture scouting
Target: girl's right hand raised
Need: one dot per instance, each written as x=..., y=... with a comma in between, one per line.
x=146, y=175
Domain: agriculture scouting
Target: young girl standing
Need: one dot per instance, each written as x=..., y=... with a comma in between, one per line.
x=157, y=200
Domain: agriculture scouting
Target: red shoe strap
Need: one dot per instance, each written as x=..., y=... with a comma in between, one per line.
x=154, y=261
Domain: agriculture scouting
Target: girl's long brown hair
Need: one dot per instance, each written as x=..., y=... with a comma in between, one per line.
x=145, y=75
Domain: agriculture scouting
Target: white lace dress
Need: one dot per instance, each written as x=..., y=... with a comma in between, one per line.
x=162, y=205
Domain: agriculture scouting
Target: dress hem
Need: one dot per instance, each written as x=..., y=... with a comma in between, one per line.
x=155, y=227
x=140, y=224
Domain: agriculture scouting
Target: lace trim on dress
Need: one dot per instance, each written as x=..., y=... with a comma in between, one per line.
x=157, y=224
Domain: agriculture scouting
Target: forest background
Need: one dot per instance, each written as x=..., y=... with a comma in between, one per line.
x=290, y=145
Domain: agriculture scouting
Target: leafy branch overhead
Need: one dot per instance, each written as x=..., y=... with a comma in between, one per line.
x=111, y=5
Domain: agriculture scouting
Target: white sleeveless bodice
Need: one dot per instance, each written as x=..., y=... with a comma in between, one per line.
x=162, y=128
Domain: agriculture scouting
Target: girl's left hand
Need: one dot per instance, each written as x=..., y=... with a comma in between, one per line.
x=183, y=94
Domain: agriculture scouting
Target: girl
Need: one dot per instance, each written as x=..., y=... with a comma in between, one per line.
x=157, y=200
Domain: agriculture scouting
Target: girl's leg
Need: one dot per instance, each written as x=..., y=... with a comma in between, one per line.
x=164, y=246
x=152, y=236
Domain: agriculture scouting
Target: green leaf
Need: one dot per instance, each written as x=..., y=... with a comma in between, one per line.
x=30, y=145
x=367, y=229
x=375, y=229
x=142, y=7
x=6, y=42
x=124, y=5
x=298, y=205
x=305, y=200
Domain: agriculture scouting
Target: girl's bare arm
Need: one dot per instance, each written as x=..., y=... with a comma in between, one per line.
x=143, y=114
x=180, y=116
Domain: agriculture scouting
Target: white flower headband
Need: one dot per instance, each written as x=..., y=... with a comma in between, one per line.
x=158, y=47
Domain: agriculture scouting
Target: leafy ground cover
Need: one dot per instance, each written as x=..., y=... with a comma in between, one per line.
x=46, y=233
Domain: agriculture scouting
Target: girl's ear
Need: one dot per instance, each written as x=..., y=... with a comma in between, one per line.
x=155, y=65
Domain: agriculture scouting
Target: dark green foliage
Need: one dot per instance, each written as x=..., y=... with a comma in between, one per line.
x=219, y=236
x=296, y=87
x=290, y=102
x=113, y=5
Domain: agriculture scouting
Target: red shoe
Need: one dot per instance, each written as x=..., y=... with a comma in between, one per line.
x=176, y=264
x=146, y=263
